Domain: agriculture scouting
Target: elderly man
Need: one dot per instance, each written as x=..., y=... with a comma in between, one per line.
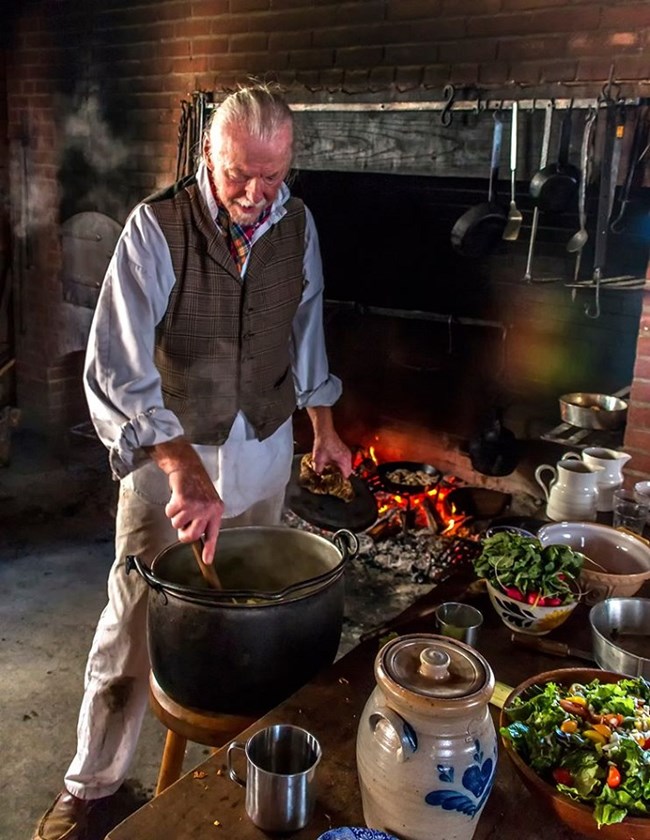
x=207, y=335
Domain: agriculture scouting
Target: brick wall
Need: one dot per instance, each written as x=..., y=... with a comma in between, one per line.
x=637, y=432
x=374, y=45
x=6, y=348
x=94, y=89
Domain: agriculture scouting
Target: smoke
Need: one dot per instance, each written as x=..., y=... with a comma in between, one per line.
x=91, y=167
x=85, y=131
x=95, y=170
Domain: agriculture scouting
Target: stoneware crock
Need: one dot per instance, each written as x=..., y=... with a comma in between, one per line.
x=426, y=744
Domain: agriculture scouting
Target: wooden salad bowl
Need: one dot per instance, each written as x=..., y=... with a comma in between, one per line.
x=575, y=815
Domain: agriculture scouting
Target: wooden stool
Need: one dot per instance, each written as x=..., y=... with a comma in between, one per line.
x=185, y=724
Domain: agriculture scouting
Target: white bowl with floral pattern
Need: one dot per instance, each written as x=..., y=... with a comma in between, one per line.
x=528, y=618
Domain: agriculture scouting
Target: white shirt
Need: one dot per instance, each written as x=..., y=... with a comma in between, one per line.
x=123, y=386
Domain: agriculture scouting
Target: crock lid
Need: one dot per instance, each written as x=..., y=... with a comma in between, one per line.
x=434, y=667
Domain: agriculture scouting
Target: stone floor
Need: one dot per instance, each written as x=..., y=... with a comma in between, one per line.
x=56, y=546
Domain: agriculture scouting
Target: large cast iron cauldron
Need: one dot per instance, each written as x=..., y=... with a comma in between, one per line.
x=276, y=623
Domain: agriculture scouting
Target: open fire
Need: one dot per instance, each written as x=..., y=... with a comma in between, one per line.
x=431, y=508
x=417, y=536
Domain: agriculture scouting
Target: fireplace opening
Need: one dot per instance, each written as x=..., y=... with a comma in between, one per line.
x=433, y=347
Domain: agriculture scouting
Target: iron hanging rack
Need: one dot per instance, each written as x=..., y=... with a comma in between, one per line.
x=471, y=105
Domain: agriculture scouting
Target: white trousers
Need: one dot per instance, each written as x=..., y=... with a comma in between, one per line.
x=117, y=673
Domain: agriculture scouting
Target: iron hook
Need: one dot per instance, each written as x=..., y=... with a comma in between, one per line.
x=595, y=312
x=610, y=85
x=448, y=93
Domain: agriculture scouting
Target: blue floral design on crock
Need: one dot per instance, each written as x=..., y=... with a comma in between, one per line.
x=519, y=616
x=354, y=833
x=445, y=773
x=478, y=779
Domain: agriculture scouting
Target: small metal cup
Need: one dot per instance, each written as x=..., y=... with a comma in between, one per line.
x=459, y=621
x=280, y=781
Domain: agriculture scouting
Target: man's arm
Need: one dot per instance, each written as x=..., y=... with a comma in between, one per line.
x=123, y=386
x=195, y=508
x=317, y=390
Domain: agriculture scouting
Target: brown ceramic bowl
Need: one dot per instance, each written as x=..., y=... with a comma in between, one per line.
x=573, y=814
x=622, y=558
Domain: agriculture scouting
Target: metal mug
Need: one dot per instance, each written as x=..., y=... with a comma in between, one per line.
x=280, y=784
x=459, y=621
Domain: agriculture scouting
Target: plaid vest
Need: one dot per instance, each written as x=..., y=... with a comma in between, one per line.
x=223, y=343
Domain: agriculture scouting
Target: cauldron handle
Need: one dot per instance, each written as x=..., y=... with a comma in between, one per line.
x=134, y=564
x=346, y=542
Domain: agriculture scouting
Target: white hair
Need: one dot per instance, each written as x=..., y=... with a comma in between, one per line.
x=260, y=109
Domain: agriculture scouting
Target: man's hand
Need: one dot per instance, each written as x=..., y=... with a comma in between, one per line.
x=195, y=509
x=328, y=447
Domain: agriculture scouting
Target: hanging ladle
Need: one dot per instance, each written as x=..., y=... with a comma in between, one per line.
x=207, y=569
x=579, y=238
x=546, y=139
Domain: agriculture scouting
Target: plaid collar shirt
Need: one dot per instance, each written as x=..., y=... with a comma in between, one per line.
x=239, y=238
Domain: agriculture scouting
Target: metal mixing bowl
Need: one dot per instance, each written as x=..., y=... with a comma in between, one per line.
x=593, y=411
x=620, y=632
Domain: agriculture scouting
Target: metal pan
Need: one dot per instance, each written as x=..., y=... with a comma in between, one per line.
x=407, y=489
x=480, y=229
x=328, y=511
x=554, y=186
x=593, y=411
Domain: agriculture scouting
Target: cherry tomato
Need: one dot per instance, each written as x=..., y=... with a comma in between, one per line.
x=562, y=776
x=613, y=776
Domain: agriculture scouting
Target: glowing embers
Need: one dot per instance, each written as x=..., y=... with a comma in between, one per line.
x=415, y=509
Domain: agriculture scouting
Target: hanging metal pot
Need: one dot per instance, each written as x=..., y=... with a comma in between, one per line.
x=275, y=624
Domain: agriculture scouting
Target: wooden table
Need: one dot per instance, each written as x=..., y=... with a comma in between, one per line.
x=205, y=803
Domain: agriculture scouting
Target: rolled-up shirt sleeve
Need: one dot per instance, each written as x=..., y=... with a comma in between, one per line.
x=314, y=384
x=121, y=381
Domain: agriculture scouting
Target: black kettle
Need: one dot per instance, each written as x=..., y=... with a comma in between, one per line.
x=495, y=449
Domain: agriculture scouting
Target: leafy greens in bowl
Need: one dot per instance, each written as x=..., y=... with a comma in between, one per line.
x=583, y=736
x=525, y=570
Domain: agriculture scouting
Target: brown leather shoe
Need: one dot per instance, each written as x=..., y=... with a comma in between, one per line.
x=65, y=819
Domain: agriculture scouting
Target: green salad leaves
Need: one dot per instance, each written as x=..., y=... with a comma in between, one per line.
x=591, y=741
x=528, y=571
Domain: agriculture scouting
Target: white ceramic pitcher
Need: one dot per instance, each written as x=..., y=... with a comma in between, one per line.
x=610, y=479
x=572, y=493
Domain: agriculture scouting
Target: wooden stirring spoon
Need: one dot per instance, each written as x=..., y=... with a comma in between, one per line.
x=207, y=569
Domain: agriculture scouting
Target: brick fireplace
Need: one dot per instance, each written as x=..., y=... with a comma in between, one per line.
x=428, y=343
x=431, y=345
